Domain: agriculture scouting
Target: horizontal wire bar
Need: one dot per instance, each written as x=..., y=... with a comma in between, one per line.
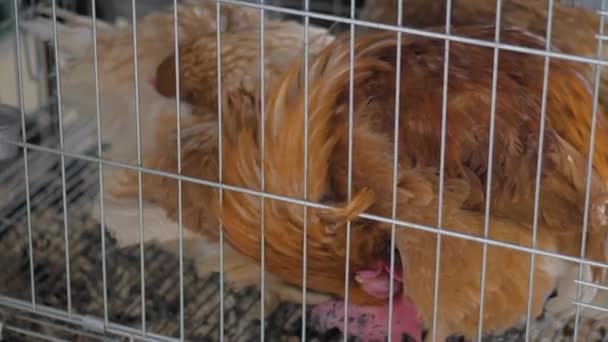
x=58, y=326
x=589, y=306
x=32, y=334
x=77, y=319
x=444, y=232
x=420, y=32
x=596, y=286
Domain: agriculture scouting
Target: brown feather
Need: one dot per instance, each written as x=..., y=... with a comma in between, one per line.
x=517, y=121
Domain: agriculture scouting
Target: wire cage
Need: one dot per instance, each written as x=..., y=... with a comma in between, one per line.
x=78, y=265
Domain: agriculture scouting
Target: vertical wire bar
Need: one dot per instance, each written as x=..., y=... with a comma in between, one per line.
x=104, y=277
x=395, y=171
x=305, y=233
x=262, y=181
x=486, y=228
x=62, y=158
x=142, y=261
x=444, y=119
x=218, y=45
x=25, y=154
x=179, y=170
x=596, y=92
x=539, y=165
x=349, y=186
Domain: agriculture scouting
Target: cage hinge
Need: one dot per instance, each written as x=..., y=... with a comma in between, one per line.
x=93, y=324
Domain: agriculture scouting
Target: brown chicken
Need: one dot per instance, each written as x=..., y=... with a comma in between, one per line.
x=515, y=153
x=240, y=56
x=240, y=87
x=574, y=28
x=155, y=33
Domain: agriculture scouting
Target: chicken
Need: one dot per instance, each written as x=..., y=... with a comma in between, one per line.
x=518, y=107
x=574, y=31
x=118, y=119
x=574, y=28
x=515, y=153
x=155, y=33
x=515, y=148
x=240, y=56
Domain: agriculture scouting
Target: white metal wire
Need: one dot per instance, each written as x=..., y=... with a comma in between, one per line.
x=25, y=152
x=262, y=178
x=596, y=91
x=486, y=226
x=446, y=231
x=349, y=181
x=139, y=163
x=218, y=44
x=439, y=230
x=444, y=114
x=539, y=165
x=180, y=223
x=420, y=32
x=305, y=180
x=32, y=334
x=104, y=276
x=61, y=147
x=395, y=169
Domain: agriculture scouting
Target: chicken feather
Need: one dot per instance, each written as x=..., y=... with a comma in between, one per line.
x=155, y=33
x=517, y=122
x=240, y=58
x=421, y=109
x=574, y=31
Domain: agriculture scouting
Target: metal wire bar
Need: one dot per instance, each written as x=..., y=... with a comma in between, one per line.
x=262, y=182
x=444, y=119
x=32, y=334
x=593, y=285
x=61, y=146
x=596, y=94
x=306, y=117
x=336, y=6
x=79, y=320
x=305, y=180
x=539, y=166
x=220, y=148
x=446, y=231
x=60, y=327
x=395, y=171
x=25, y=152
x=102, y=227
x=421, y=33
x=142, y=260
x=179, y=170
x=349, y=183
x=488, y=196
x=589, y=306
